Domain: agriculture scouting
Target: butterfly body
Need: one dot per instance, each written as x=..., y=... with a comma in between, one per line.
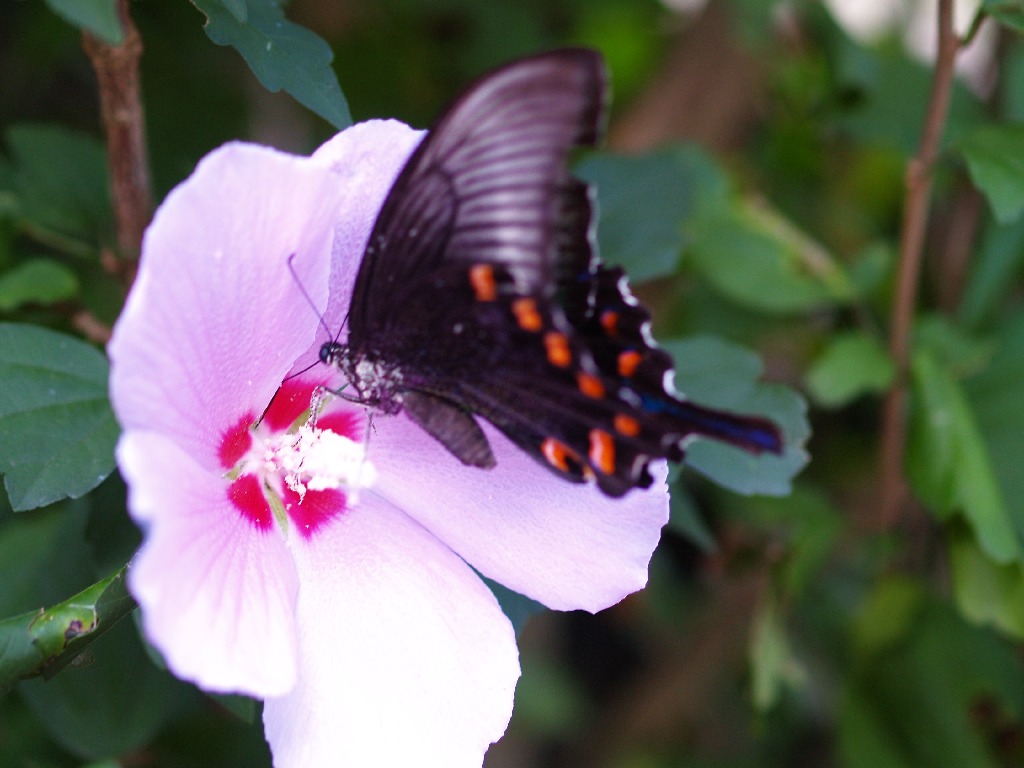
x=479, y=295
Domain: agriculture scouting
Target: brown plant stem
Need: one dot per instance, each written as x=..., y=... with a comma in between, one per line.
x=87, y=324
x=918, y=181
x=117, y=73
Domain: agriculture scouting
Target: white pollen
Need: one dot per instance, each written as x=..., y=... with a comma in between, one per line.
x=317, y=460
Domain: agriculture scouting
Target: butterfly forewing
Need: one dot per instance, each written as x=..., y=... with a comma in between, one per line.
x=489, y=184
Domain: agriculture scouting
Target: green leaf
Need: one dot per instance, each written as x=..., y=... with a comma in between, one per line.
x=887, y=615
x=45, y=641
x=959, y=352
x=887, y=92
x=37, y=281
x=949, y=464
x=281, y=54
x=870, y=267
x=34, y=566
x=112, y=703
x=643, y=200
x=715, y=373
x=804, y=528
x=761, y=261
x=1009, y=13
x=986, y=592
x=96, y=16
x=518, y=608
x=995, y=160
x=238, y=9
x=1011, y=85
x=60, y=186
x=853, y=364
x=684, y=517
x=997, y=398
x=57, y=431
x=550, y=699
x=862, y=734
x=772, y=662
x=990, y=280
x=242, y=707
x=912, y=699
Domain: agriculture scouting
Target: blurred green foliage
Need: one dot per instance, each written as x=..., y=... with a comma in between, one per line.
x=759, y=204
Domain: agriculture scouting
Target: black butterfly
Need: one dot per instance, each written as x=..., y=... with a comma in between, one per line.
x=479, y=294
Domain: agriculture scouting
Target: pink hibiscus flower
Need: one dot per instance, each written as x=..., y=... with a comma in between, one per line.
x=330, y=572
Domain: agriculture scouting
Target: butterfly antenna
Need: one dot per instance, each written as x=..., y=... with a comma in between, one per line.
x=344, y=322
x=302, y=289
x=263, y=415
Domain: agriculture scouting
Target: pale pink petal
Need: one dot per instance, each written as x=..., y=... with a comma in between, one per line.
x=215, y=318
x=567, y=546
x=407, y=659
x=217, y=594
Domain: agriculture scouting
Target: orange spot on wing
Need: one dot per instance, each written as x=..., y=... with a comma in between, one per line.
x=628, y=362
x=590, y=385
x=626, y=425
x=481, y=278
x=559, y=455
x=610, y=322
x=602, y=451
x=527, y=316
x=557, y=345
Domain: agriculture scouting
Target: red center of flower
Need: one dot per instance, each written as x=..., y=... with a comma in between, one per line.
x=235, y=442
x=265, y=459
x=247, y=496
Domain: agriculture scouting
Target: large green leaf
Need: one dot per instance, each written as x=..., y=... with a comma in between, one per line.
x=57, y=431
x=96, y=16
x=114, y=703
x=949, y=463
x=986, y=592
x=997, y=399
x=995, y=159
x=851, y=365
x=37, y=281
x=715, y=373
x=761, y=261
x=60, y=189
x=281, y=54
x=643, y=200
x=996, y=260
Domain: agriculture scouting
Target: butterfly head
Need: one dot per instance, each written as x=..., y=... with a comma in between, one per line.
x=332, y=353
x=377, y=383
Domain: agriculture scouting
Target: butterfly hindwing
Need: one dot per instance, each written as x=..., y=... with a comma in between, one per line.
x=564, y=394
x=452, y=425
